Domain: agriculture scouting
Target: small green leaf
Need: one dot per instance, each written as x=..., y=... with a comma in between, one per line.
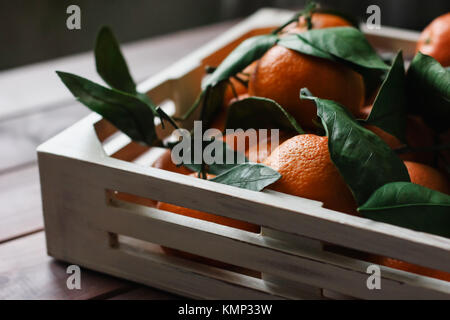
x=247, y=52
x=389, y=109
x=363, y=159
x=111, y=65
x=411, y=206
x=258, y=112
x=251, y=176
x=234, y=158
x=129, y=114
x=428, y=89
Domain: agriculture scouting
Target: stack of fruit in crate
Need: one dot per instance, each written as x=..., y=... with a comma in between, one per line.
x=360, y=134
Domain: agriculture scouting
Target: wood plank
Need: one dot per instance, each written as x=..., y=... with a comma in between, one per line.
x=26, y=272
x=22, y=210
x=20, y=136
x=37, y=86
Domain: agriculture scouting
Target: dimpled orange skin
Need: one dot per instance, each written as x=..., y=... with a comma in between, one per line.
x=427, y=176
x=435, y=40
x=307, y=171
x=281, y=73
x=318, y=21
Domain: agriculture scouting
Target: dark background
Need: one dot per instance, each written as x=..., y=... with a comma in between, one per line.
x=35, y=30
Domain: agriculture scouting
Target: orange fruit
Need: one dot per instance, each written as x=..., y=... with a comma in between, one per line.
x=435, y=40
x=307, y=171
x=417, y=135
x=427, y=176
x=164, y=162
x=281, y=73
x=259, y=152
x=409, y=267
x=319, y=21
x=389, y=139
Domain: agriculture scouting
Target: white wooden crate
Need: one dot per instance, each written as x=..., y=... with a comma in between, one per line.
x=86, y=225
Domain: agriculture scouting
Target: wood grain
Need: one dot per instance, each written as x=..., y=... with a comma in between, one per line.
x=26, y=272
x=22, y=210
x=20, y=136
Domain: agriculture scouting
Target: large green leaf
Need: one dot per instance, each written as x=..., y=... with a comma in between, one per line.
x=251, y=176
x=363, y=159
x=389, y=108
x=297, y=43
x=112, y=67
x=346, y=43
x=129, y=114
x=258, y=112
x=110, y=63
x=429, y=91
x=411, y=206
x=212, y=103
x=247, y=52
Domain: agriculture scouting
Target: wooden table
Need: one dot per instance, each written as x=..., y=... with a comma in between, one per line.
x=34, y=105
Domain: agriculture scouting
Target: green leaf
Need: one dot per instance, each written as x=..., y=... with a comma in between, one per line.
x=112, y=67
x=251, y=176
x=212, y=103
x=129, y=114
x=346, y=43
x=215, y=168
x=389, y=109
x=363, y=159
x=296, y=43
x=411, y=206
x=428, y=89
x=258, y=112
x=110, y=63
x=247, y=52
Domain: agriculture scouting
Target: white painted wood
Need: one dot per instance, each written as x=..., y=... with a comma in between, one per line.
x=76, y=173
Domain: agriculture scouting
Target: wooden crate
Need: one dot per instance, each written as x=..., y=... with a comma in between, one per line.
x=86, y=224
